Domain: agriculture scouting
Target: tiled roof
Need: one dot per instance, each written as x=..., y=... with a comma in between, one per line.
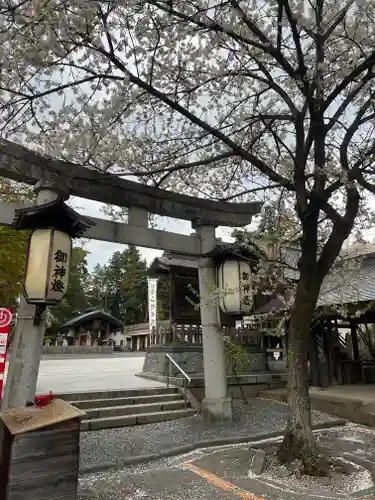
x=349, y=284
x=351, y=281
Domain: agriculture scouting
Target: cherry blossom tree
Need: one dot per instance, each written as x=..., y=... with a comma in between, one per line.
x=227, y=99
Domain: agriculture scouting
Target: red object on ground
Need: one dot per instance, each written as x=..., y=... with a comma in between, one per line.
x=44, y=399
x=5, y=321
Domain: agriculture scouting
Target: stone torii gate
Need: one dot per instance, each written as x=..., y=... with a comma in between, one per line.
x=56, y=177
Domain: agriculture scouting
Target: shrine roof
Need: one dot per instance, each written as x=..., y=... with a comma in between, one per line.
x=89, y=316
x=165, y=263
x=350, y=284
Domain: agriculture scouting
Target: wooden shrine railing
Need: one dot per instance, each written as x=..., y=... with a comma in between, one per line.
x=192, y=334
x=176, y=334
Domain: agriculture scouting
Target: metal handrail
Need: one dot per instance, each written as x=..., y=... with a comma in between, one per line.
x=186, y=376
x=178, y=367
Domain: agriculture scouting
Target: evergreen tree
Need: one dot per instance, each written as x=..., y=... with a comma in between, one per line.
x=120, y=287
x=13, y=245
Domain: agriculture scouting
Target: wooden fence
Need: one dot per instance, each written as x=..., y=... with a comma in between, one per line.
x=192, y=334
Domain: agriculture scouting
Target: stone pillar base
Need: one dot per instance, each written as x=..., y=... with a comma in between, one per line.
x=217, y=410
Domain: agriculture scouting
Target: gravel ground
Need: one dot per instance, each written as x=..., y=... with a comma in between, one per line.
x=260, y=416
x=169, y=479
x=343, y=483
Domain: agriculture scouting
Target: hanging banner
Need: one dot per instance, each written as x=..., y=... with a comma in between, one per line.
x=152, y=302
x=5, y=321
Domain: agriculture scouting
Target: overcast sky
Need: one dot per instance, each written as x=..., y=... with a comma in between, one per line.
x=101, y=251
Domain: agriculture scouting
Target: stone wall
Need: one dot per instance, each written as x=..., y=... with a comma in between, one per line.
x=277, y=365
x=190, y=359
x=258, y=362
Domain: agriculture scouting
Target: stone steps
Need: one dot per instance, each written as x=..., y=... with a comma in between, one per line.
x=111, y=409
x=104, y=403
x=135, y=409
x=119, y=393
x=95, y=424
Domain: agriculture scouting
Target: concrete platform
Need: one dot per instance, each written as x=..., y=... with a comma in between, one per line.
x=352, y=402
x=364, y=393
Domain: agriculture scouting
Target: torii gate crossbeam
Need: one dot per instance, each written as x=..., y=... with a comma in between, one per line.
x=23, y=165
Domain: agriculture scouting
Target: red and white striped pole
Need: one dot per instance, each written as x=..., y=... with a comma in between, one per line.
x=5, y=321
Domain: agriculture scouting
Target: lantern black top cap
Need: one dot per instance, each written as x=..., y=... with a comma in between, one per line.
x=55, y=214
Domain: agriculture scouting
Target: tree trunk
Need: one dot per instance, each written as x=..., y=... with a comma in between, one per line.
x=299, y=442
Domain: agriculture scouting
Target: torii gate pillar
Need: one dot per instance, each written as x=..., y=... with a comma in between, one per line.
x=20, y=387
x=216, y=404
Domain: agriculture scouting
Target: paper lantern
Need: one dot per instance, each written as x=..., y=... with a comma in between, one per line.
x=47, y=268
x=53, y=224
x=234, y=280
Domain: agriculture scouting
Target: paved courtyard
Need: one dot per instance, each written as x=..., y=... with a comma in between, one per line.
x=75, y=374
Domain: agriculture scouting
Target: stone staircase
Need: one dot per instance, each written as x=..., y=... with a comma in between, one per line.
x=123, y=408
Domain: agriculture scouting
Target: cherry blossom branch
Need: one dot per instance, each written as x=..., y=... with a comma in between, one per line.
x=257, y=162
x=367, y=64
x=340, y=231
x=265, y=44
x=340, y=17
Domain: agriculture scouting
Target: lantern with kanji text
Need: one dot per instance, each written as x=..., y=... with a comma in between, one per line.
x=53, y=226
x=235, y=292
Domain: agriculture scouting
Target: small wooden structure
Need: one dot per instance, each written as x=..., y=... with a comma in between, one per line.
x=94, y=327
x=39, y=453
x=181, y=335
x=182, y=275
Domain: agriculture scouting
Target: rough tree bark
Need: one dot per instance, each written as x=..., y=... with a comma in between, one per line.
x=299, y=442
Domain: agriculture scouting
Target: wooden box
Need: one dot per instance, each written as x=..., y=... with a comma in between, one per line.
x=39, y=452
